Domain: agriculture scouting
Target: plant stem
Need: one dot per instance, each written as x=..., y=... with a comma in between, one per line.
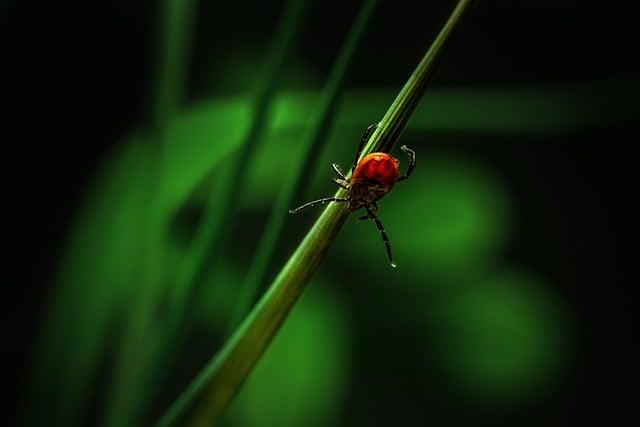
x=216, y=385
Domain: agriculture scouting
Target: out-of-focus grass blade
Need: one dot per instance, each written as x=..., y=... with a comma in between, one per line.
x=212, y=234
x=128, y=396
x=97, y=274
x=96, y=270
x=293, y=186
x=153, y=341
x=221, y=199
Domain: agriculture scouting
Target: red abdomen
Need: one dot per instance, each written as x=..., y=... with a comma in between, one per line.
x=377, y=168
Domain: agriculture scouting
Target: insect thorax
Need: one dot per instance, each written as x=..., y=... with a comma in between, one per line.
x=363, y=193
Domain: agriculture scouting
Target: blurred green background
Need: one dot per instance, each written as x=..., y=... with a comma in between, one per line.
x=506, y=306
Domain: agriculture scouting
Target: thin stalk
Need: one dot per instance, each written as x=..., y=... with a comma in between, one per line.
x=303, y=169
x=212, y=390
x=213, y=233
x=127, y=397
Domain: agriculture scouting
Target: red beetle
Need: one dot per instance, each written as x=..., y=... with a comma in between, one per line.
x=371, y=178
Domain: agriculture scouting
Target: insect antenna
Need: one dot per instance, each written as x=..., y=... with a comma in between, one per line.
x=318, y=202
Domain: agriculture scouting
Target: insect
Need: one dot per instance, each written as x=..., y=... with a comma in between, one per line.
x=371, y=178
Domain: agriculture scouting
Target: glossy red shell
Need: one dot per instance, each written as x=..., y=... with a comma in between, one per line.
x=377, y=168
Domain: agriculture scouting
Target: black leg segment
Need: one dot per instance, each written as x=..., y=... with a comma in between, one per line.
x=336, y=168
x=363, y=141
x=412, y=165
x=383, y=233
x=373, y=207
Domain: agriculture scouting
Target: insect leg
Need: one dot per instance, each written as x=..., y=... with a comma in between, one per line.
x=385, y=239
x=363, y=141
x=342, y=183
x=336, y=167
x=374, y=209
x=412, y=157
x=318, y=202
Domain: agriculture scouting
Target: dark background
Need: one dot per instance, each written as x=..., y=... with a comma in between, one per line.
x=78, y=80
